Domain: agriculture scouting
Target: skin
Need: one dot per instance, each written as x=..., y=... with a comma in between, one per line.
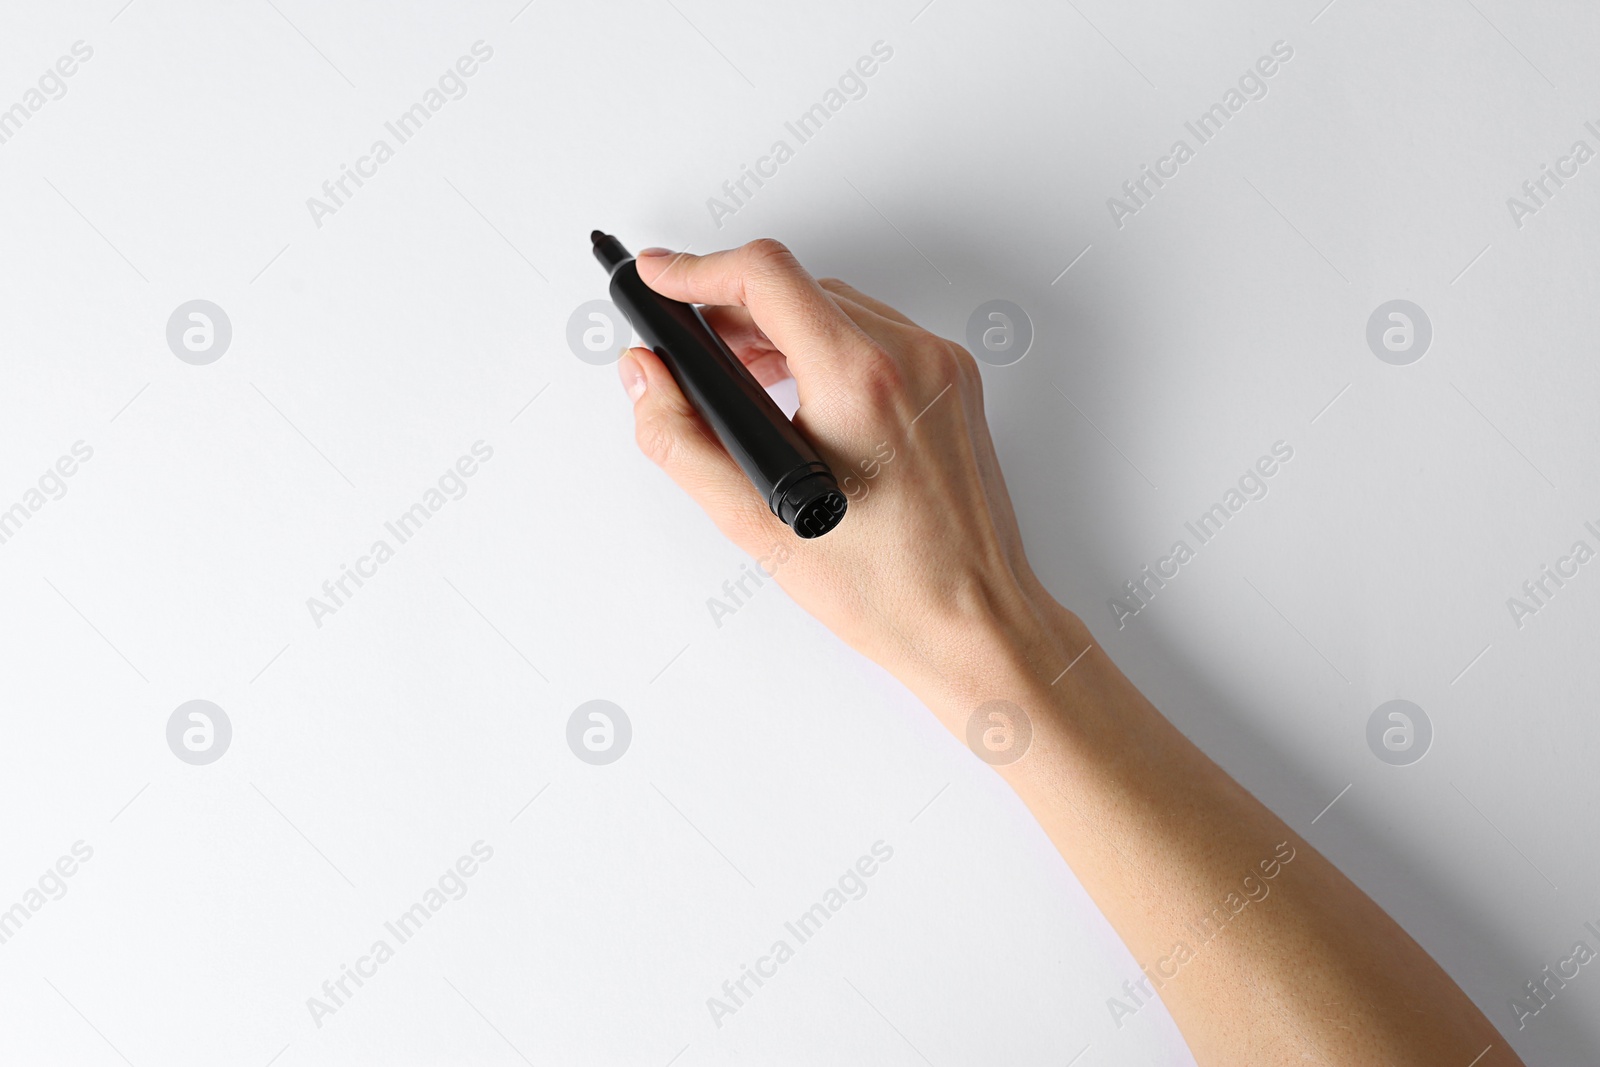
x=928, y=577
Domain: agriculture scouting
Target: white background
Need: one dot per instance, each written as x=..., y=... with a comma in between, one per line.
x=369, y=353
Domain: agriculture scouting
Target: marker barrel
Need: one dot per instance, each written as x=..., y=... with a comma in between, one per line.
x=795, y=482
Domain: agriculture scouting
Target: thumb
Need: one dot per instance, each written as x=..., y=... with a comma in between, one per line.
x=674, y=437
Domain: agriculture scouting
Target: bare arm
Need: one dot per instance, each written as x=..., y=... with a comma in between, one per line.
x=1261, y=949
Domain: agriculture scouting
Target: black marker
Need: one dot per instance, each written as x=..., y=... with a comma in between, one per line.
x=797, y=484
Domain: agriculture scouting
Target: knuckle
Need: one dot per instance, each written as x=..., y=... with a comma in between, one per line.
x=657, y=439
x=882, y=379
x=961, y=361
x=768, y=246
x=769, y=253
x=966, y=371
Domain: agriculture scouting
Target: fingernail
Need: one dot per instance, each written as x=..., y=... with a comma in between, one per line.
x=632, y=376
x=652, y=251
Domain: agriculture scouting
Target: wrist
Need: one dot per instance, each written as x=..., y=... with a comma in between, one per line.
x=1012, y=646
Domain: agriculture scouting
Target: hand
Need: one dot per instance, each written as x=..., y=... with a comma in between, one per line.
x=928, y=560
x=927, y=576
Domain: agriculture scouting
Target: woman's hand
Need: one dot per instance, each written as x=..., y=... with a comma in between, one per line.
x=927, y=576
x=927, y=565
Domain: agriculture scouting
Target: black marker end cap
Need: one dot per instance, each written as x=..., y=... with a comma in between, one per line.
x=813, y=505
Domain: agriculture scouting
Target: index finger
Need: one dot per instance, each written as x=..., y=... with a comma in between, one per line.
x=784, y=300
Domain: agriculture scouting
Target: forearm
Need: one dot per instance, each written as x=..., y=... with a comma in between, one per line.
x=1260, y=948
